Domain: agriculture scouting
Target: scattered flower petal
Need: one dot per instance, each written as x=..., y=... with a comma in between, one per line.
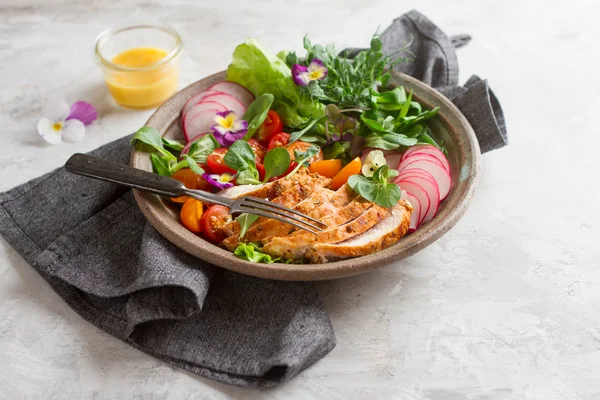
x=221, y=182
x=83, y=111
x=73, y=130
x=49, y=130
x=56, y=110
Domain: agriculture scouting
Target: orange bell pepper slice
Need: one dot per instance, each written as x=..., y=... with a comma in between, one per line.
x=352, y=168
x=327, y=168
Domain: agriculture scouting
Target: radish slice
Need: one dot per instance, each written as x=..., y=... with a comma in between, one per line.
x=230, y=102
x=197, y=99
x=414, y=216
x=431, y=187
x=432, y=165
x=428, y=149
x=233, y=89
x=198, y=121
x=392, y=157
x=420, y=194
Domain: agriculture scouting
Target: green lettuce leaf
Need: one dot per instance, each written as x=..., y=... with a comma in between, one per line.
x=262, y=72
x=251, y=252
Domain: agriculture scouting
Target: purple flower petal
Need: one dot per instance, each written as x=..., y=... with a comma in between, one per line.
x=83, y=111
x=300, y=75
x=224, y=114
x=213, y=179
x=316, y=65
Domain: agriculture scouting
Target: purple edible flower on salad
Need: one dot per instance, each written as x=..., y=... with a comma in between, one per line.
x=221, y=182
x=228, y=128
x=303, y=75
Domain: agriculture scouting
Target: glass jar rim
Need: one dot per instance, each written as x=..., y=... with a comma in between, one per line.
x=100, y=59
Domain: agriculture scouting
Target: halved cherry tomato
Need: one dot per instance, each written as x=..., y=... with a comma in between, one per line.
x=261, y=170
x=303, y=146
x=216, y=162
x=258, y=149
x=214, y=218
x=191, y=215
x=271, y=127
x=191, y=181
x=327, y=168
x=279, y=140
x=352, y=168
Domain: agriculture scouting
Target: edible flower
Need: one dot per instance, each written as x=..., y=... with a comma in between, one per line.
x=62, y=122
x=222, y=181
x=374, y=160
x=228, y=128
x=304, y=75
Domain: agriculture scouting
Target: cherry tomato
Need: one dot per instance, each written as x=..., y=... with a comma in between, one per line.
x=271, y=127
x=191, y=181
x=279, y=140
x=258, y=149
x=216, y=162
x=261, y=170
x=191, y=215
x=213, y=219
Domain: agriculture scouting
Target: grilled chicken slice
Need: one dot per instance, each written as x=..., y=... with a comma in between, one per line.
x=289, y=198
x=382, y=235
x=295, y=245
x=276, y=188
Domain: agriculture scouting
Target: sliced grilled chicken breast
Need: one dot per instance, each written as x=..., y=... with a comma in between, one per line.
x=276, y=188
x=380, y=236
x=295, y=245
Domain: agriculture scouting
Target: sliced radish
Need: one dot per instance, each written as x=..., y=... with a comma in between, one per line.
x=419, y=193
x=230, y=102
x=414, y=217
x=428, y=149
x=198, y=121
x=233, y=89
x=392, y=157
x=430, y=186
x=197, y=99
x=432, y=165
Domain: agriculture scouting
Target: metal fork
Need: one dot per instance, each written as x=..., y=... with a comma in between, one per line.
x=109, y=171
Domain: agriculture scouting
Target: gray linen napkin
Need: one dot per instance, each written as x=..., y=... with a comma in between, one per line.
x=93, y=246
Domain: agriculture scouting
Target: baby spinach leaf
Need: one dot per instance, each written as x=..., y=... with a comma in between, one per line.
x=389, y=141
x=277, y=162
x=173, y=145
x=161, y=166
x=240, y=156
x=257, y=112
x=202, y=147
x=151, y=137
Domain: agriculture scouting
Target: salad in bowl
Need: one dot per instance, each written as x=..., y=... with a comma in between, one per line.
x=321, y=133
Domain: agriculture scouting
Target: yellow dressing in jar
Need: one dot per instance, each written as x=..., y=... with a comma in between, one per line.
x=145, y=81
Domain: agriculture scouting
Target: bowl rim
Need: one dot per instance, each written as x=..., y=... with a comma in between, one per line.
x=156, y=211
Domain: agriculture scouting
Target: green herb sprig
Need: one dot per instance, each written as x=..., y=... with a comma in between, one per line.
x=377, y=188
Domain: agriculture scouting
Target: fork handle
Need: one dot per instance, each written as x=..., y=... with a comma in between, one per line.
x=109, y=171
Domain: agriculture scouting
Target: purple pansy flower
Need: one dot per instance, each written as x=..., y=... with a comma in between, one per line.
x=221, y=182
x=228, y=128
x=303, y=75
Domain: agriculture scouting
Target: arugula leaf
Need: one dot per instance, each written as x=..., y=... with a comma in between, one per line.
x=193, y=165
x=251, y=252
x=245, y=220
x=377, y=189
x=202, y=147
x=277, y=161
x=173, y=145
x=161, y=166
x=257, y=112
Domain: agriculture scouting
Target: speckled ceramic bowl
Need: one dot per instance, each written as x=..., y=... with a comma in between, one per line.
x=450, y=126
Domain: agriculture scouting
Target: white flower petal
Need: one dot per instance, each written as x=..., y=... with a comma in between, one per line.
x=56, y=110
x=73, y=130
x=47, y=132
x=368, y=170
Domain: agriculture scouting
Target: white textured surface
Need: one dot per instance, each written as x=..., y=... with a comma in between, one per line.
x=505, y=306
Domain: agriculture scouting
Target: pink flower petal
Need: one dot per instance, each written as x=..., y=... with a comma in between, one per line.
x=83, y=111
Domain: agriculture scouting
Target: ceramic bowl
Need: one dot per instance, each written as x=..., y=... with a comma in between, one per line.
x=450, y=126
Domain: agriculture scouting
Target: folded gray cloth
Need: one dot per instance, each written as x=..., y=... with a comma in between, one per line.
x=93, y=246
